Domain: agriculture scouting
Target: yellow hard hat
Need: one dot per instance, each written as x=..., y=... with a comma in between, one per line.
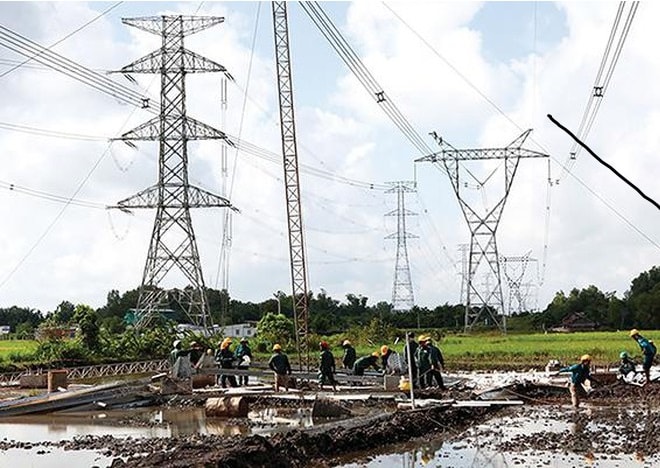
x=277, y=347
x=375, y=354
x=585, y=357
x=421, y=338
x=384, y=349
x=346, y=343
x=634, y=332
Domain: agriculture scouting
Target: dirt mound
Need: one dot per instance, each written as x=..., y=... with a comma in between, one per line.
x=297, y=448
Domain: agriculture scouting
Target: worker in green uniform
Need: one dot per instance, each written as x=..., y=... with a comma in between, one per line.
x=243, y=356
x=423, y=360
x=349, y=355
x=580, y=373
x=279, y=364
x=365, y=362
x=649, y=350
x=326, y=366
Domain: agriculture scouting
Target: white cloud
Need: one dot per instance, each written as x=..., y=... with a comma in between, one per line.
x=85, y=254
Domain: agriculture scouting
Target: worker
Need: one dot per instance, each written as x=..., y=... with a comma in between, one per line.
x=349, y=355
x=180, y=361
x=196, y=352
x=279, y=364
x=390, y=360
x=626, y=365
x=206, y=363
x=437, y=364
x=243, y=356
x=649, y=350
x=225, y=357
x=580, y=373
x=423, y=360
x=409, y=356
x=326, y=366
x=365, y=362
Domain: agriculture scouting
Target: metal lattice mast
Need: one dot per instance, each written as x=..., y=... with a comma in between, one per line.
x=227, y=218
x=403, y=298
x=291, y=181
x=173, y=246
x=483, y=259
x=515, y=268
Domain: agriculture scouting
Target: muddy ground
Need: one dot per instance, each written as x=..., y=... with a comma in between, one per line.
x=614, y=419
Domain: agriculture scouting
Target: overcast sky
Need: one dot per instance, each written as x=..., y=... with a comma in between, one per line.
x=478, y=74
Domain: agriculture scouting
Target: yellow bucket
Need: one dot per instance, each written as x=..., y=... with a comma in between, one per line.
x=404, y=384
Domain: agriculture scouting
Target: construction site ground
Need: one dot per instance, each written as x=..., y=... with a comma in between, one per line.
x=617, y=425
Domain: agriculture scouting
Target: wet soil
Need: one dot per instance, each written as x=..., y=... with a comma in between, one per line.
x=614, y=419
x=314, y=447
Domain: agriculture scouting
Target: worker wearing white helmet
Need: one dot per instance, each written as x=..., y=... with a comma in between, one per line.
x=349, y=355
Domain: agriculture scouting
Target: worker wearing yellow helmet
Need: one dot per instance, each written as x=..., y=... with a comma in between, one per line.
x=225, y=356
x=279, y=364
x=365, y=362
x=580, y=373
x=649, y=350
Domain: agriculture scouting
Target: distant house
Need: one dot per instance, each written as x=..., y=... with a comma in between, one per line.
x=240, y=330
x=575, y=322
x=62, y=332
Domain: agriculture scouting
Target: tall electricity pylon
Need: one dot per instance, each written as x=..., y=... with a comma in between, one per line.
x=515, y=269
x=173, y=244
x=291, y=181
x=403, y=298
x=485, y=298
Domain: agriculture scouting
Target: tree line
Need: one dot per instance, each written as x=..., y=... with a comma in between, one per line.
x=638, y=307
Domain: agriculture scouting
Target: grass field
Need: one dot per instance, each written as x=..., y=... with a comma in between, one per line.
x=16, y=347
x=490, y=351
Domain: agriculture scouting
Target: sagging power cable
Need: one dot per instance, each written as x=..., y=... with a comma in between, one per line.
x=599, y=89
x=36, y=52
x=351, y=59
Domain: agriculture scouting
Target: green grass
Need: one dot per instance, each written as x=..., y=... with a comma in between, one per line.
x=523, y=351
x=12, y=348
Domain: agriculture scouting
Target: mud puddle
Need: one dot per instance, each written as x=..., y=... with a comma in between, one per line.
x=41, y=440
x=536, y=437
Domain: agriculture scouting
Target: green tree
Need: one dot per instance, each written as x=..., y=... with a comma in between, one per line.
x=276, y=328
x=88, y=322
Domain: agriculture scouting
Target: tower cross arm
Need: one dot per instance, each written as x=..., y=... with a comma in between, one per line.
x=396, y=235
x=472, y=154
x=192, y=63
x=189, y=24
x=197, y=198
x=193, y=130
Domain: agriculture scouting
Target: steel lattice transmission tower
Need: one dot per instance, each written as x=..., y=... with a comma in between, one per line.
x=173, y=246
x=515, y=269
x=291, y=181
x=483, y=260
x=403, y=298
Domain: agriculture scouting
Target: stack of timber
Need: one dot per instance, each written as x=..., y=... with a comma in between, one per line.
x=119, y=394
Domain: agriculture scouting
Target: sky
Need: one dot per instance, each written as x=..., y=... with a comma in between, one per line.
x=477, y=74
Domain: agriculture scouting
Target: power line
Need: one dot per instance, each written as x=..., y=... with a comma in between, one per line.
x=604, y=74
x=24, y=46
x=75, y=31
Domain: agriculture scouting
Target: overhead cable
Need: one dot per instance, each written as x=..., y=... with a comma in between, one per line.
x=619, y=33
x=75, y=31
x=26, y=47
x=351, y=59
